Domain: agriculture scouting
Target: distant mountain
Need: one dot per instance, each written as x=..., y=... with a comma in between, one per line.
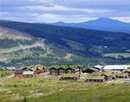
x=50, y=44
x=105, y=24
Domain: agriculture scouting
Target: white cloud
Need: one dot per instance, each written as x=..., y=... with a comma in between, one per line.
x=124, y=19
x=69, y=18
x=64, y=10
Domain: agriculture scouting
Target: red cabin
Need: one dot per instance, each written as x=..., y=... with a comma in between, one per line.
x=19, y=73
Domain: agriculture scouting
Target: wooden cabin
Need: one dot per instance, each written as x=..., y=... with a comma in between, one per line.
x=100, y=76
x=122, y=75
x=70, y=70
x=127, y=71
x=64, y=69
x=95, y=79
x=44, y=69
x=79, y=69
x=19, y=73
x=57, y=71
x=69, y=77
x=53, y=71
x=108, y=75
x=61, y=71
x=28, y=74
x=38, y=69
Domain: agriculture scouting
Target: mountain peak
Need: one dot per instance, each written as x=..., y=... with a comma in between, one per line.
x=59, y=22
x=104, y=18
x=105, y=24
x=108, y=20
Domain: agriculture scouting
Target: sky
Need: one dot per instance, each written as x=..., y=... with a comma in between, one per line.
x=64, y=10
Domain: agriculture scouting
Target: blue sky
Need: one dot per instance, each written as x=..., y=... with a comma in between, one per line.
x=64, y=10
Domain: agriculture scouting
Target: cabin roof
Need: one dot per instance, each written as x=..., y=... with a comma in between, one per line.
x=64, y=66
x=34, y=67
x=28, y=73
x=126, y=70
x=94, y=77
x=121, y=74
x=97, y=73
x=107, y=73
x=27, y=69
x=19, y=72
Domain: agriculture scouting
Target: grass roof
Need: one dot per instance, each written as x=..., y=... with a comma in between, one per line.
x=99, y=75
x=121, y=74
x=95, y=77
x=126, y=70
x=64, y=66
x=108, y=73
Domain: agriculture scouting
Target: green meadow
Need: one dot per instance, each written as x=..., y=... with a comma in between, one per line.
x=5, y=73
x=50, y=89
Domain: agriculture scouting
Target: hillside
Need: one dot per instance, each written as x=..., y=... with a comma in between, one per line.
x=105, y=24
x=13, y=40
x=13, y=34
x=48, y=44
x=18, y=49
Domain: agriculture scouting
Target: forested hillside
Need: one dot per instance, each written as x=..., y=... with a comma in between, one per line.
x=8, y=43
x=74, y=45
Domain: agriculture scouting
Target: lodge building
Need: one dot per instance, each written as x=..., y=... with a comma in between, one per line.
x=65, y=69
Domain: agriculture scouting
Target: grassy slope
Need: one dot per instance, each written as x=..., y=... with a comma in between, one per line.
x=14, y=52
x=13, y=34
x=117, y=55
x=42, y=89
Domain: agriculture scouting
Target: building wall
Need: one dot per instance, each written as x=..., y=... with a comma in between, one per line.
x=61, y=71
x=18, y=75
x=70, y=71
x=28, y=76
x=53, y=72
